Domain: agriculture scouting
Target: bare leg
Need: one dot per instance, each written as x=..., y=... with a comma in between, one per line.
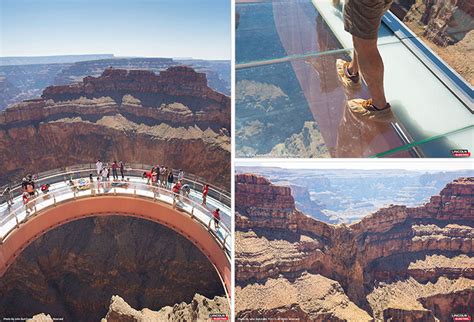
x=371, y=65
x=354, y=65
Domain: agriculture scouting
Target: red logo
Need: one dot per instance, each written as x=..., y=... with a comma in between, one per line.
x=218, y=317
x=460, y=153
x=461, y=317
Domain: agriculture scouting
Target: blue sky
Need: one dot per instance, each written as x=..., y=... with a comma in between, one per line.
x=151, y=28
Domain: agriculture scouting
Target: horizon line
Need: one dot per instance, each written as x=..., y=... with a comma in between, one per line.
x=114, y=56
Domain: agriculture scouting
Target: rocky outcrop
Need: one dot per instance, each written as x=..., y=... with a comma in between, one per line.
x=136, y=116
x=296, y=300
x=308, y=144
x=41, y=318
x=305, y=204
x=199, y=309
x=444, y=22
x=423, y=244
x=29, y=76
x=217, y=72
x=175, y=81
x=446, y=27
x=73, y=271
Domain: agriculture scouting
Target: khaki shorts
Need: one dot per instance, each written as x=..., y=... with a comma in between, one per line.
x=362, y=17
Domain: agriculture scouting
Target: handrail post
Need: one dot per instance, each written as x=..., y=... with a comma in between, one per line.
x=16, y=218
x=74, y=192
x=115, y=191
x=54, y=200
x=209, y=225
x=192, y=212
x=223, y=243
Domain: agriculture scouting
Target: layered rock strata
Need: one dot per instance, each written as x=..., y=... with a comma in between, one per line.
x=416, y=251
x=447, y=27
x=445, y=22
x=172, y=118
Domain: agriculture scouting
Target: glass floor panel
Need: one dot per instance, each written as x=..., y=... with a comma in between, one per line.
x=296, y=107
x=424, y=105
x=439, y=146
x=272, y=30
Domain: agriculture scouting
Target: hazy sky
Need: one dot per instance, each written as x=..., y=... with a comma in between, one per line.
x=151, y=28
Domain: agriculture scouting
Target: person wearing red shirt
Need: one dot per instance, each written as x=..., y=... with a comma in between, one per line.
x=26, y=201
x=205, y=191
x=217, y=218
x=176, y=190
x=148, y=176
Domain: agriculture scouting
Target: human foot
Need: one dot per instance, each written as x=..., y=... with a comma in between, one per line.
x=347, y=79
x=366, y=109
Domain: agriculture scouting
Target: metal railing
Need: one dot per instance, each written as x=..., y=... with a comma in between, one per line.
x=20, y=213
x=134, y=170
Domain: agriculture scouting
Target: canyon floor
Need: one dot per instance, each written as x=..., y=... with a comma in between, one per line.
x=73, y=272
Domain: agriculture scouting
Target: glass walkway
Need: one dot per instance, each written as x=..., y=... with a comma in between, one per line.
x=73, y=183
x=290, y=103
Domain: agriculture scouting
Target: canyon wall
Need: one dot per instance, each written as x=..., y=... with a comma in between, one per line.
x=26, y=78
x=422, y=252
x=134, y=116
x=447, y=27
x=445, y=22
x=74, y=270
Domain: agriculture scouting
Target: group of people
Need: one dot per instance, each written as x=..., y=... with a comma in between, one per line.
x=28, y=186
x=185, y=189
x=161, y=176
x=104, y=170
x=216, y=213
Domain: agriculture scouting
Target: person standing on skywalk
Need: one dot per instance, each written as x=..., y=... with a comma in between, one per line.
x=362, y=20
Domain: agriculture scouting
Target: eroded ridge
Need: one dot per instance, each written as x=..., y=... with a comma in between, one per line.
x=424, y=253
x=135, y=113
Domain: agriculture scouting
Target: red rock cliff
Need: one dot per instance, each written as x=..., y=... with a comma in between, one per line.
x=172, y=118
x=428, y=243
x=175, y=81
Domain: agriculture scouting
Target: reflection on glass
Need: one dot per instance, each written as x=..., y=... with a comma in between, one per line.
x=278, y=29
x=297, y=109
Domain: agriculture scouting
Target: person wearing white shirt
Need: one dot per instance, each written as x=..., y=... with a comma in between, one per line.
x=99, y=167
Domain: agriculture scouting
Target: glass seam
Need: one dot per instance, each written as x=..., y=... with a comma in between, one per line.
x=423, y=141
